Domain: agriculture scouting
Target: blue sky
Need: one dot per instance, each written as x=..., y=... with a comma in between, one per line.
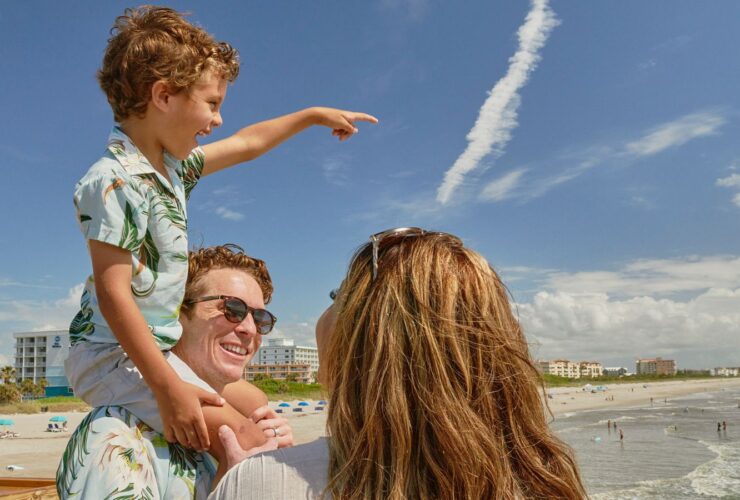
x=587, y=149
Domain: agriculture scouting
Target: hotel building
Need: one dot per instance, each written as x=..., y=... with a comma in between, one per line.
x=655, y=366
x=41, y=355
x=280, y=358
x=571, y=369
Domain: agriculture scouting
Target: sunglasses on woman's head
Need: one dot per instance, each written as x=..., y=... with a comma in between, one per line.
x=235, y=310
x=399, y=233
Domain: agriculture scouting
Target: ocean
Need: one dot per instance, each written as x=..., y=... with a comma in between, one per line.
x=671, y=450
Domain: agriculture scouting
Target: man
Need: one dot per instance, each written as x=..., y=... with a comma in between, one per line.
x=113, y=453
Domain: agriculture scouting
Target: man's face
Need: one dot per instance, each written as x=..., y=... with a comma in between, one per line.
x=216, y=349
x=194, y=113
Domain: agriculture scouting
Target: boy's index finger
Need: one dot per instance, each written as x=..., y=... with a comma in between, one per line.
x=363, y=117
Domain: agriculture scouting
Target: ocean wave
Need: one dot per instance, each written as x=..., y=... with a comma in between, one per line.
x=718, y=477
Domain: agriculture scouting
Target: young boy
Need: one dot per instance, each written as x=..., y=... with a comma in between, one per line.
x=166, y=81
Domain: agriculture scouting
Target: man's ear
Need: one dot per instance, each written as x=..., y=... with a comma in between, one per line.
x=161, y=95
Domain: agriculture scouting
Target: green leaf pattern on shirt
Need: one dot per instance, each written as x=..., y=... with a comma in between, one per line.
x=81, y=324
x=166, y=206
x=148, y=258
x=114, y=455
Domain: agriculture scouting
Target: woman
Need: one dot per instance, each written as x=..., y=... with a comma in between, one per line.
x=432, y=390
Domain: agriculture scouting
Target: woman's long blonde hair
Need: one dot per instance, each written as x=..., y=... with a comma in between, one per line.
x=433, y=393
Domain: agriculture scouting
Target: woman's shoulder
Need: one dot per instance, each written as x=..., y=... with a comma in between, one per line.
x=296, y=472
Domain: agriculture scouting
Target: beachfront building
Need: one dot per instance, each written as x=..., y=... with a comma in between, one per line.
x=560, y=368
x=724, y=372
x=41, y=355
x=616, y=371
x=571, y=369
x=297, y=372
x=283, y=352
x=590, y=369
x=655, y=366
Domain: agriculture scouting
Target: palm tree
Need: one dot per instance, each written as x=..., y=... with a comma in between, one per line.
x=9, y=394
x=27, y=386
x=40, y=389
x=7, y=373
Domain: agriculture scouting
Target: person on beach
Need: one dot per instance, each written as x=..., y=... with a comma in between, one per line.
x=432, y=389
x=621, y=435
x=113, y=451
x=166, y=81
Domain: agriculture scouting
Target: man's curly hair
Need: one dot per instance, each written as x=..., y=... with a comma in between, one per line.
x=228, y=256
x=149, y=44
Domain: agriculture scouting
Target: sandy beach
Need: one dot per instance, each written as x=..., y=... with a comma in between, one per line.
x=38, y=451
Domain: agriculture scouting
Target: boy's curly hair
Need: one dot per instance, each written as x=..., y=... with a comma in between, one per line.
x=228, y=256
x=150, y=43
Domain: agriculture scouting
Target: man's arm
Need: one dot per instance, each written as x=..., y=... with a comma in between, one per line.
x=178, y=402
x=256, y=140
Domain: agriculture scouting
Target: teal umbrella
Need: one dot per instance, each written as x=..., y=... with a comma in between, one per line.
x=58, y=418
x=284, y=405
x=6, y=421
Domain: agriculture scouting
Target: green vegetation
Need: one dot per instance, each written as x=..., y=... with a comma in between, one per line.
x=280, y=389
x=555, y=381
x=56, y=404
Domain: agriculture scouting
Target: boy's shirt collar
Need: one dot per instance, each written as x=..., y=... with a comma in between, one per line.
x=131, y=159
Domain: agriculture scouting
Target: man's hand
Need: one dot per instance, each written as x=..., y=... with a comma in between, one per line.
x=182, y=417
x=340, y=121
x=234, y=452
x=273, y=426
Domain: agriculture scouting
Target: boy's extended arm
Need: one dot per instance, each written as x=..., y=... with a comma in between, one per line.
x=178, y=402
x=256, y=140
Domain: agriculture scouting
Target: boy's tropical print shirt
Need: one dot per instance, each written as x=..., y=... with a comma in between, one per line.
x=124, y=201
x=114, y=455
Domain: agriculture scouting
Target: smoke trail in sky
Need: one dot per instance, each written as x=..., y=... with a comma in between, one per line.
x=498, y=115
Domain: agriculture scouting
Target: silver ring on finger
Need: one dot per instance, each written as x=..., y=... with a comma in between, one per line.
x=275, y=430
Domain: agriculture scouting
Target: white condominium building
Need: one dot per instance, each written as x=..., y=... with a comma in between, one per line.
x=571, y=369
x=285, y=352
x=41, y=355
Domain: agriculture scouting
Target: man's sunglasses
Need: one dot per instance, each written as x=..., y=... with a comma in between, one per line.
x=235, y=310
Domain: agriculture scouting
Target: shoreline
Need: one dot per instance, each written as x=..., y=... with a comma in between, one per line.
x=39, y=451
x=629, y=395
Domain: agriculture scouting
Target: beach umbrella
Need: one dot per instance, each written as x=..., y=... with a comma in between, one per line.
x=6, y=421
x=58, y=418
x=303, y=403
x=322, y=402
x=284, y=405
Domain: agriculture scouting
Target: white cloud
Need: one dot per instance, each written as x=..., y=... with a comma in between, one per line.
x=653, y=141
x=228, y=214
x=733, y=182
x=730, y=181
x=37, y=315
x=700, y=332
x=686, y=308
x=336, y=170
x=498, y=115
x=675, y=133
x=303, y=333
x=502, y=188
x=650, y=277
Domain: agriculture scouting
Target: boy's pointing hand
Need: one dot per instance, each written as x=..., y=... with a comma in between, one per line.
x=340, y=121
